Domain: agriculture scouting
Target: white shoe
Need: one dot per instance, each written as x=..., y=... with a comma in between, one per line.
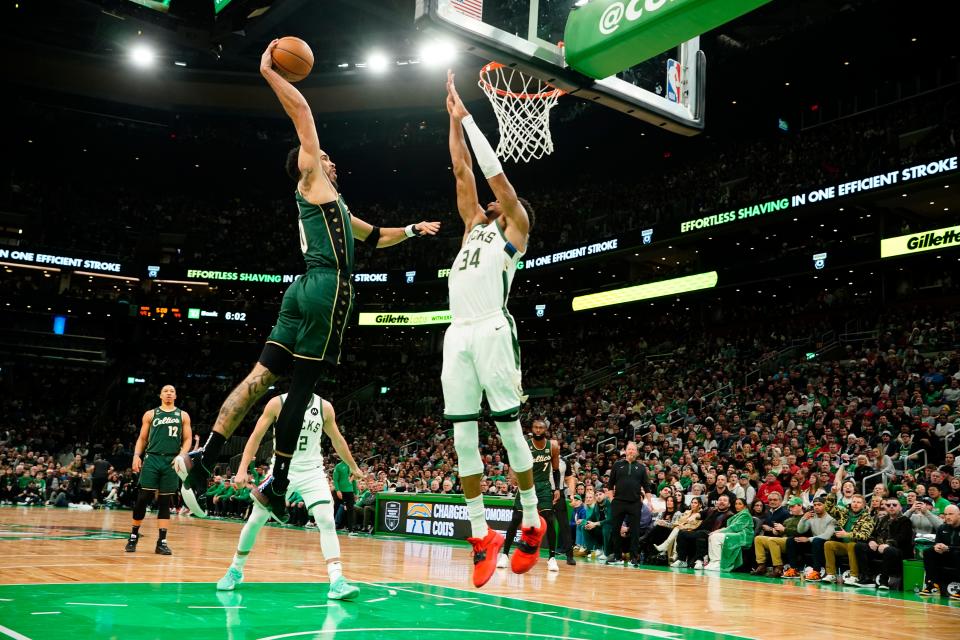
x=698, y=565
x=601, y=558
x=552, y=565
x=503, y=561
x=677, y=564
x=832, y=579
x=712, y=566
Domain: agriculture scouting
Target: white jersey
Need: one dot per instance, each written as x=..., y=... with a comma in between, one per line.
x=307, y=454
x=482, y=273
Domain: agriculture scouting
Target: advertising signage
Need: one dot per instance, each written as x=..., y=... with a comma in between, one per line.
x=822, y=194
x=436, y=516
x=58, y=260
x=404, y=318
x=674, y=286
x=946, y=238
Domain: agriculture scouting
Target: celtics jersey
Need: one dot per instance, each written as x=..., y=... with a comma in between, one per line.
x=308, y=454
x=166, y=432
x=542, y=468
x=326, y=235
x=482, y=273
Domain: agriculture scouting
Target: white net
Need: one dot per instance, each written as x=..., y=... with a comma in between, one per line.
x=522, y=105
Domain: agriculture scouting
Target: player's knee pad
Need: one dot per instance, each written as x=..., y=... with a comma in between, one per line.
x=466, y=440
x=163, y=507
x=144, y=498
x=518, y=453
x=276, y=359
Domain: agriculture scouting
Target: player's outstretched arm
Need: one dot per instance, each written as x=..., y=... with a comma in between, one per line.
x=489, y=164
x=336, y=439
x=264, y=422
x=468, y=202
x=296, y=107
x=389, y=236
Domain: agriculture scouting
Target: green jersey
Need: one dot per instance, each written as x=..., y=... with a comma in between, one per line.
x=542, y=468
x=326, y=236
x=166, y=432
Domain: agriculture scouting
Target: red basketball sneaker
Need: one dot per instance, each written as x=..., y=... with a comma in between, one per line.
x=485, y=556
x=527, y=553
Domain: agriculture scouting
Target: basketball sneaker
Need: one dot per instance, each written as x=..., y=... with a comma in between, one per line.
x=132, y=543
x=571, y=561
x=273, y=502
x=791, y=574
x=502, y=561
x=485, y=554
x=552, y=565
x=230, y=580
x=194, y=476
x=832, y=579
x=162, y=548
x=527, y=553
x=929, y=589
x=340, y=589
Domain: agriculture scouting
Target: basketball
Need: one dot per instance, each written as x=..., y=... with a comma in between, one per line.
x=293, y=58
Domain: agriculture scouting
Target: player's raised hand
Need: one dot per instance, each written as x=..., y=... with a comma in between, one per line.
x=454, y=104
x=427, y=228
x=266, y=60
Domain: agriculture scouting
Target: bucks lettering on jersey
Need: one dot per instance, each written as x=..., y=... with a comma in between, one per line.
x=482, y=273
x=166, y=432
x=308, y=454
x=326, y=237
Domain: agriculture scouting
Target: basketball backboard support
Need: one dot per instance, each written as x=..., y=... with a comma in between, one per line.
x=668, y=90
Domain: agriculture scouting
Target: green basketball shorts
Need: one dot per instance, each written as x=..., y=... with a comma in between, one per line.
x=157, y=474
x=314, y=314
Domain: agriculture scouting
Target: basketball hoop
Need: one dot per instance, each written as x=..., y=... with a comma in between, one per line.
x=522, y=105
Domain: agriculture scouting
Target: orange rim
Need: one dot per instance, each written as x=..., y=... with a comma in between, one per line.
x=493, y=66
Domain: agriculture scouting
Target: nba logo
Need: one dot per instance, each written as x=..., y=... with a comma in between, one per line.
x=647, y=236
x=153, y=271
x=410, y=276
x=674, y=79
x=541, y=309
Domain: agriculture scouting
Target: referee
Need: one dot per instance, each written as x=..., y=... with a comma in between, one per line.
x=628, y=482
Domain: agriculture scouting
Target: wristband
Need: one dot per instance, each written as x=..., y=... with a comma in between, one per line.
x=411, y=231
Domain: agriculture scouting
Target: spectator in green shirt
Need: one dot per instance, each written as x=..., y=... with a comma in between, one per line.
x=345, y=492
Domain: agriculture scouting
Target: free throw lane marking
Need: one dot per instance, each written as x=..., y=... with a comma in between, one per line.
x=45, y=613
x=95, y=604
x=375, y=600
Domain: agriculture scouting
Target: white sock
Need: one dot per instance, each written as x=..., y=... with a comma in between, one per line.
x=248, y=536
x=334, y=570
x=478, y=519
x=528, y=500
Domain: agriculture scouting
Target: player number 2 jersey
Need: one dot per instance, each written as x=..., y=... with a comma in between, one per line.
x=482, y=273
x=307, y=454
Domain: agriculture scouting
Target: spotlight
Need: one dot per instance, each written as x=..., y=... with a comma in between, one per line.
x=377, y=61
x=438, y=53
x=142, y=55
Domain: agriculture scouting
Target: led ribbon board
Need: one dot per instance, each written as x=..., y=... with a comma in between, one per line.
x=658, y=289
x=404, y=318
x=946, y=238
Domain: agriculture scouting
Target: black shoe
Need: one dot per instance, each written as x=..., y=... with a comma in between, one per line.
x=275, y=503
x=131, y=543
x=894, y=584
x=571, y=560
x=163, y=549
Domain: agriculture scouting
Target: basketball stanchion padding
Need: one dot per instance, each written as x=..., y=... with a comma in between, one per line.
x=522, y=104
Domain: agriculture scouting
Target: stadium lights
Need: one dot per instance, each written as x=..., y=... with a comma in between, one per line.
x=377, y=62
x=437, y=53
x=142, y=55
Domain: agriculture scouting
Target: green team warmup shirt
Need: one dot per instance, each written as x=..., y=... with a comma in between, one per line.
x=341, y=478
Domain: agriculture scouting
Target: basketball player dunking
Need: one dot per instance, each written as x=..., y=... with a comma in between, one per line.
x=550, y=501
x=314, y=311
x=164, y=433
x=481, y=353
x=306, y=478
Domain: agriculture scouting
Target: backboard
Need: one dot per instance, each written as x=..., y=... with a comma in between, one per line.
x=667, y=90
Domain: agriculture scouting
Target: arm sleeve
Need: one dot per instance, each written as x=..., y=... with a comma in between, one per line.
x=486, y=157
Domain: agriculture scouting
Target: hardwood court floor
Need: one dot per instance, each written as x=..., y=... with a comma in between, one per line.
x=65, y=572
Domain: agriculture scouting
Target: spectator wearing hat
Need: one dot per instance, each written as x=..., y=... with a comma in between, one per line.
x=891, y=542
x=775, y=543
x=772, y=485
x=744, y=489
x=921, y=515
x=854, y=524
x=815, y=528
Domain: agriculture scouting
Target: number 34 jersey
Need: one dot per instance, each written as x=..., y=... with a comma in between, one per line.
x=482, y=273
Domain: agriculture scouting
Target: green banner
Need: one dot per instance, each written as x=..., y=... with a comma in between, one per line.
x=604, y=37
